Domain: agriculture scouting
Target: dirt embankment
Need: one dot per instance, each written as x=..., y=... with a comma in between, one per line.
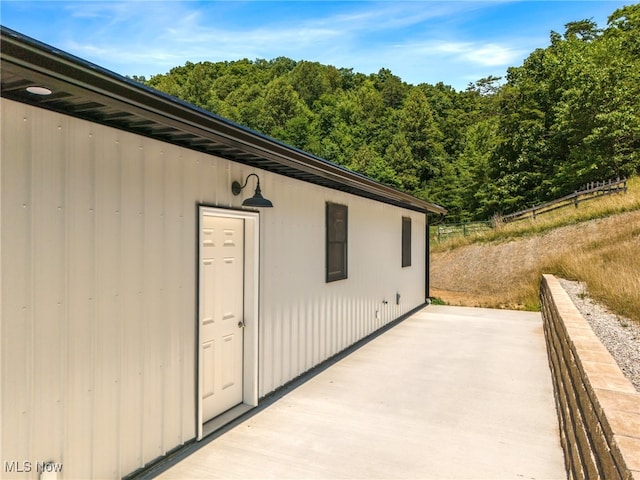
x=506, y=274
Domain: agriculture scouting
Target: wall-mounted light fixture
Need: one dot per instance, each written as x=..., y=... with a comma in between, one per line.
x=257, y=200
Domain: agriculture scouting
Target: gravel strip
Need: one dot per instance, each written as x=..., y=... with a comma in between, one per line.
x=619, y=335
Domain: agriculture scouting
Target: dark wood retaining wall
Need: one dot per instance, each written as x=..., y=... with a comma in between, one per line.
x=598, y=407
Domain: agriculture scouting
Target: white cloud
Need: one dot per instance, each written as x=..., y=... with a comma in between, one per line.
x=381, y=16
x=494, y=55
x=488, y=54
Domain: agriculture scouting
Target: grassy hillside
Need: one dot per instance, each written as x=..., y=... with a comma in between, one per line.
x=597, y=243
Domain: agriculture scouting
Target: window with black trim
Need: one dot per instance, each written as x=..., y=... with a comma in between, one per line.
x=406, y=241
x=336, y=242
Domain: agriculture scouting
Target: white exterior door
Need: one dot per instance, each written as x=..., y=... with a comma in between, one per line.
x=221, y=314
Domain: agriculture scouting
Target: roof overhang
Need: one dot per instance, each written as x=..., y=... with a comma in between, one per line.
x=84, y=90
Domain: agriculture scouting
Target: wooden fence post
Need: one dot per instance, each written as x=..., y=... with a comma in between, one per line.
x=575, y=199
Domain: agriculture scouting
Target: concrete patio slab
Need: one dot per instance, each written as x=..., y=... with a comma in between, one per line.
x=449, y=393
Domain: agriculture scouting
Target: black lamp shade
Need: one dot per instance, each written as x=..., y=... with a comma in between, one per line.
x=257, y=200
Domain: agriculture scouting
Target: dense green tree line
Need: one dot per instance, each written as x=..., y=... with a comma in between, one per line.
x=569, y=115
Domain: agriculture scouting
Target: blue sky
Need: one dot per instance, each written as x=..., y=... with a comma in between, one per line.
x=453, y=41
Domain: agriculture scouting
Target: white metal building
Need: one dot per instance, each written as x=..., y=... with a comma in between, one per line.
x=142, y=305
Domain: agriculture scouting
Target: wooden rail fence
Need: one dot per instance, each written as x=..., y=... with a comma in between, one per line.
x=443, y=232
x=587, y=192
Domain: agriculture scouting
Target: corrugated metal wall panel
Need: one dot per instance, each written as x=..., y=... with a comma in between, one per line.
x=17, y=308
x=174, y=327
x=191, y=195
x=132, y=247
x=81, y=292
x=48, y=292
x=99, y=232
x=108, y=261
x=153, y=269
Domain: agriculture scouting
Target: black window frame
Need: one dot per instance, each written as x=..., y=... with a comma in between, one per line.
x=406, y=242
x=336, y=242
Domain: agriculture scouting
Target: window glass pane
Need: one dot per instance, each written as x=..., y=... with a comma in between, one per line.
x=336, y=242
x=337, y=223
x=336, y=259
x=406, y=241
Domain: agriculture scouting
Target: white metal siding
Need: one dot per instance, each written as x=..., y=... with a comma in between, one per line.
x=98, y=293
x=306, y=320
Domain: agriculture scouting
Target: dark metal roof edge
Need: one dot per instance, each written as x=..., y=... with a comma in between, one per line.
x=112, y=85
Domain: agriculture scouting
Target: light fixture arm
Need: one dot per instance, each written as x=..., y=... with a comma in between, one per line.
x=236, y=188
